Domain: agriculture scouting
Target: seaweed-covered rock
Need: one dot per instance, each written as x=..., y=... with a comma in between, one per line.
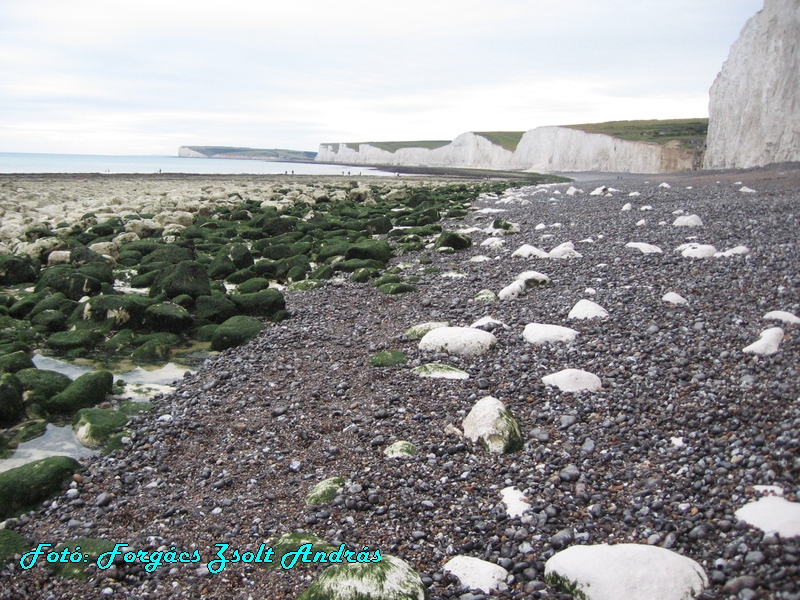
x=187, y=277
x=378, y=225
x=370, y=250
x=98, y=269
x=92, y=548
x=94, y=426
x=235, y=331
x=260, y=304
x=490, y=423
x=29, y=484
x=169, y=253
x=17, y=269
x=39, y=385
x=152, y=351
x=86, y=391
x=11, y=543
x=66, y=341
x=51, y=320
x=169, y=317
x=388, y=358
x=214, y=308
x=12, y=409
x=120, y=343
x=400, y=448
x=453, y=240
x=16, y=361
x=348, y=266
x=332, y=249
x=241, y=256
x=253, y=285
x=396, y=288
x=70, y=282
x=325, y=491
x=389, y=579
x=57, y=301
x=362, y=275
x=221, y=267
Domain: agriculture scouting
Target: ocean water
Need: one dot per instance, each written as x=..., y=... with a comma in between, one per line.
x=18, y=162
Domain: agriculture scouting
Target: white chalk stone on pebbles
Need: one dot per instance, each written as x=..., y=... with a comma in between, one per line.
x=626, y=572
x=674, y=298
x=479, y=259
x=665, y=185
x=463, y=341
x=400, y=448
x=599, y=191
x=389, y=579
x=487, y=321
x=512, y=290
x=641, y=223
x=59, y=257
x=565, y=250
x=532, y=278
x=540, y=333
x=490, y=423
x=573, y=380
x=485, y=296
x=477, y=574
x=688, y=221
x=515, y=501
x=439, y=371
x=572, y=191
x=772, y=513
x=528, y=251
x=782, y=315
x=644, y=248
x=627, y=207
x=493, y=242
x=646, y=207
x=586, y=309
x=747, y=190
x=693, y=250
x=419, y=331
x=737, y=251
x=768, y=342
x=540, y=226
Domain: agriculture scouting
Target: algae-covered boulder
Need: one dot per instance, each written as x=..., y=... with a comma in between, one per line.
x=439, y=371
x=94, y=426
x=389, y=579
x=453, y=240
x=388, y=358
x=66, y=341
x=259, y=304
x=392, y=289
x=289, y=543
x=214, y=308
x=117, y=310
x=70, y=282
x=419, y=331
x=17, y=269
x=325, y=491
x=253, y=285
x=400, y=448
x=187, y=277
x=152, y=352
x=370, y=250
x=39, y=385
x=57, y=301
x=235, y=331
x=50, y=320
x=16, y=361
x=169, y=317
x=490, y=423
x=12, y=408
x=221, y=267
x=29, y=484
x=86, y=391
x=91, y=548
x=11, y=543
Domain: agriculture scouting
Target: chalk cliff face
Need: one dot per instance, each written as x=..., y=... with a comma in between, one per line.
x=754, y=106
x=186, y=152
x=542, y=149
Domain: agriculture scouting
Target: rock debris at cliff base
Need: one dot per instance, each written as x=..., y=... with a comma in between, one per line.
x=683, y=430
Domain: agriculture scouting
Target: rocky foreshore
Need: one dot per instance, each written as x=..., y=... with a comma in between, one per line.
x=620, y=449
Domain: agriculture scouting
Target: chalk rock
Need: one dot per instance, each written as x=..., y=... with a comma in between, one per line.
x=419, y=331
x=512, y=290
x=782, y=315
x=389, y=579
x=532, y=278
x=693, y=250
x=463, y=341
x=664, y=185
x=601, y=191
x=627, y=207
x=747, y=190
x=573, y=380
x=772, y=513
x=483, y=321
x=738, y=250
x=572, y=191
x=625, y=572
x=400, y=448
x=439, y=371
x=515, y=501
x=58, y=257
x=540, y=333
x=565, y=250
x=768, y=342
x=493, y=242
x=586, y=309
x=490, y=423
x=477, y=574
x=753, y=108
x=528, y=251
x=688, y=221
x=674, y=298
x=644, y=248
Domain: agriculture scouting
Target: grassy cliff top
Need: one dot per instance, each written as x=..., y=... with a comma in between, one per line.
x=690, y=132
x=395, y=146
x=505, y=139
x=267, y=154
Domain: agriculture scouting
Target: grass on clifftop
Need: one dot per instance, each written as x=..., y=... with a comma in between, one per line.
x=690, y=132
x=395, y=146
x=505, y=139
x=268, y=154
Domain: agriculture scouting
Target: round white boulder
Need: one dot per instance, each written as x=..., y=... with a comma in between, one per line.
x=674, y=298
x=528, y=251
x=586, y=309
x=573, y=380
x=772, y=513
x=476, y=574
x=782, y=315
x=768, y=343
x=688, y=221
x=626, y=572
x=644, y=248
x=463, y=341
x=540, y=333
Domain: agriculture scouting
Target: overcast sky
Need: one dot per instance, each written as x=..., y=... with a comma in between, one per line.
x=144, y=77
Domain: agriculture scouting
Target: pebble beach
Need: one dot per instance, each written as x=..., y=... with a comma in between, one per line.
x=690, y=413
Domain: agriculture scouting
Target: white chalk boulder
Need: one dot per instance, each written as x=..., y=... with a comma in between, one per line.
x=463, y=341
x=540, y=333
x=512, y=290
x=528, y=251
x=688, y=221
x=565, y=250
x=419, y=331
x=389, y=579
x=477, y=574
x=782, y=315
x=439, y=371
x=625, y=572
x=490, y=423
x=674, y=298
x=573, y=380
x=644, y=248
x=586, y=309
x=694, y=250
x=768, y=342
x=515, y=501
x=772, y=513
x=532, y=278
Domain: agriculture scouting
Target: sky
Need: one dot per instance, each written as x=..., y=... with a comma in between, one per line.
x=145, y=77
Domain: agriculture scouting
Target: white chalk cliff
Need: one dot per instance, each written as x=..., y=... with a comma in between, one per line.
x=543, y=149
x=186, y=152
x=754, y=105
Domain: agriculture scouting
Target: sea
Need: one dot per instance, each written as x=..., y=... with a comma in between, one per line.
x=19, y=162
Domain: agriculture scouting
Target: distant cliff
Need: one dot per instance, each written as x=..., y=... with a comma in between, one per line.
x=754, y=105
x=543, y=149
x=276, y=154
